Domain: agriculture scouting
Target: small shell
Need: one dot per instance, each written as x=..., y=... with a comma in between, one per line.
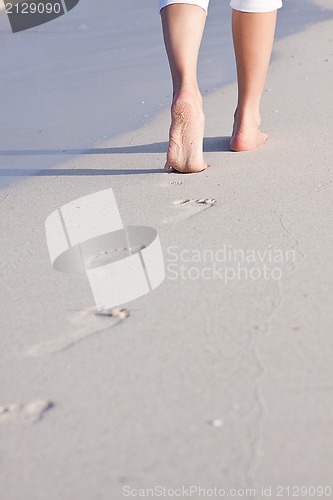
x=115, y=312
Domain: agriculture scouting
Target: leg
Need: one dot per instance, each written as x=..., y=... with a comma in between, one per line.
x=253, y=35
x=183, y=27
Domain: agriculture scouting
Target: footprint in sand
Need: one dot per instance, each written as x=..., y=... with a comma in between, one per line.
x=188, y=208
x=94, y=322
x=168, y=184
x=29, y=413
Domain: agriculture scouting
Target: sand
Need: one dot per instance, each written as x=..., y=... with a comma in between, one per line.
x=213, y=380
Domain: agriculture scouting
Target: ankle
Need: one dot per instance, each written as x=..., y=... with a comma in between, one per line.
x=187, y=90
x=247, y=117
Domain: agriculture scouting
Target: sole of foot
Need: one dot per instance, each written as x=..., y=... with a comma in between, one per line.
x=185, y=151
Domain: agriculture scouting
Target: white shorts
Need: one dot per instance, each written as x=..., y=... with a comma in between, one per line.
x=242, y=5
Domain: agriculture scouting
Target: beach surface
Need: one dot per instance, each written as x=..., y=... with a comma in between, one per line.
x=222, y=376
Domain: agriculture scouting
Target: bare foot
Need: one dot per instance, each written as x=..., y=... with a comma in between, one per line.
x=246, y=134
x=185, y=152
